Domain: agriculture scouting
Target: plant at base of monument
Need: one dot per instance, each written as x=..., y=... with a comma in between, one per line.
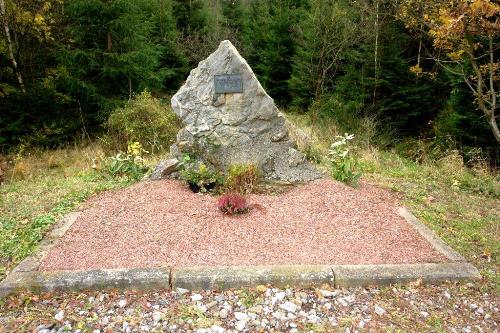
x=232, y=204
x=130, y=165
x=143, y=119
x=342, y=163
x=200, y=178
x=242, y=178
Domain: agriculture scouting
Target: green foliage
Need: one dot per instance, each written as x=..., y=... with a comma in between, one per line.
x=199, y=176
x=130, y=165
x=343, y=165
x=143, y=119
x=242, y=178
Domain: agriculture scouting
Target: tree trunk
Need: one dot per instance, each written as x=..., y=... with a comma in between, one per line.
x=376, y=50
x=9, y=45
x=479, y=92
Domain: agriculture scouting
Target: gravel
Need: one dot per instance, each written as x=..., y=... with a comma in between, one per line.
x=162, y=223
x=401, y=308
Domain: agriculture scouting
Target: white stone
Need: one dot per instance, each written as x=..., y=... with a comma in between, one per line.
x=223, y=313
x=240, y=325
x=182, y=291
x=240, y=316
x=327, y=293
x=196, y=297
x=289, y=306
x=379, y=310
x=59, y=316
x=157, y=316
x=122, y=303
x=217, y=329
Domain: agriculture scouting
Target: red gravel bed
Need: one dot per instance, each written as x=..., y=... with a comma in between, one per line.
x=162, y=223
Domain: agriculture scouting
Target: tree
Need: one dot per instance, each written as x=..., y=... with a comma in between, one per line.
x=465, y=36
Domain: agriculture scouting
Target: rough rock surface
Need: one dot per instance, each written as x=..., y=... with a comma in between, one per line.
x=247, y=127
x=165, y=168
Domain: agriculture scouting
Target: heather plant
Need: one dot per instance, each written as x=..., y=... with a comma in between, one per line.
x=242, y=178
x=232, y=204
x=342, y=164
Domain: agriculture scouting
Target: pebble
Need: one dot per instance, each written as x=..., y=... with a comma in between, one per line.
x=379, y=310
x=280, y=311
x=240, y=325
x=289, y=306
x=59, y=316
x=241, y=316
x=122, y=303
x=327, y=293
x=223, y=313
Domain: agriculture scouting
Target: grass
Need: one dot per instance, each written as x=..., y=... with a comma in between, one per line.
x=39, y=188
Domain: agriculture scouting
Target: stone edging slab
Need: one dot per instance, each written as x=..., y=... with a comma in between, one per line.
x=27, y=276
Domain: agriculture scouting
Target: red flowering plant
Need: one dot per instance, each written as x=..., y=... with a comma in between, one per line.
x=233, y=203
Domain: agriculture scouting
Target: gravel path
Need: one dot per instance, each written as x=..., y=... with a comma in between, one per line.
x=445, y=308
x=162, y=223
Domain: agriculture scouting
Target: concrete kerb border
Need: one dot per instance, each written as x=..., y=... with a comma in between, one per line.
x=27, y=277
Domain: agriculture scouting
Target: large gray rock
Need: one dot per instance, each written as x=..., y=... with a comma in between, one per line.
x=247, y=127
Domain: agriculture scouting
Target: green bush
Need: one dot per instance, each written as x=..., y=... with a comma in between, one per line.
x=343, y=165
x=145, y=120
x=242, y=178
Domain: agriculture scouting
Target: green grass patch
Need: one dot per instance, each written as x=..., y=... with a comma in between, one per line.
x=32, y=201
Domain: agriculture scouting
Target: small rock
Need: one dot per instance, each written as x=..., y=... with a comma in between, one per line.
x=424, y=314
x=314, y=319
x=280, y=295
x=181, y=291
x=241, y=316
x=223, y=313
x=289, y=306
x=217, y=329
x=240, y=325
x=279, y=315
x=447, y=295
x=196, y=297
x=59, y=316
x=157, y=316
x=380, y=311
x=327, y=293
x=473, y=306
x=256, y=309
x=122, y=303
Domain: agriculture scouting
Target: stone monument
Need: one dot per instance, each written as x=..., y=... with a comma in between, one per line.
x=228, y=118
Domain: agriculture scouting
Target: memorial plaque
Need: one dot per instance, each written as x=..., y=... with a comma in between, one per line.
x=228, y=83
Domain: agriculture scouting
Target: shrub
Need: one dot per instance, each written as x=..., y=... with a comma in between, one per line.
x=242, y=178
x=199, y=177
x=130, y=165
x=145, y=120
x=233, y=203
x=342, y=163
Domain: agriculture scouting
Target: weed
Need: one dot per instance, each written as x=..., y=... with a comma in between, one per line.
x=242, y=178
x=342, y=163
